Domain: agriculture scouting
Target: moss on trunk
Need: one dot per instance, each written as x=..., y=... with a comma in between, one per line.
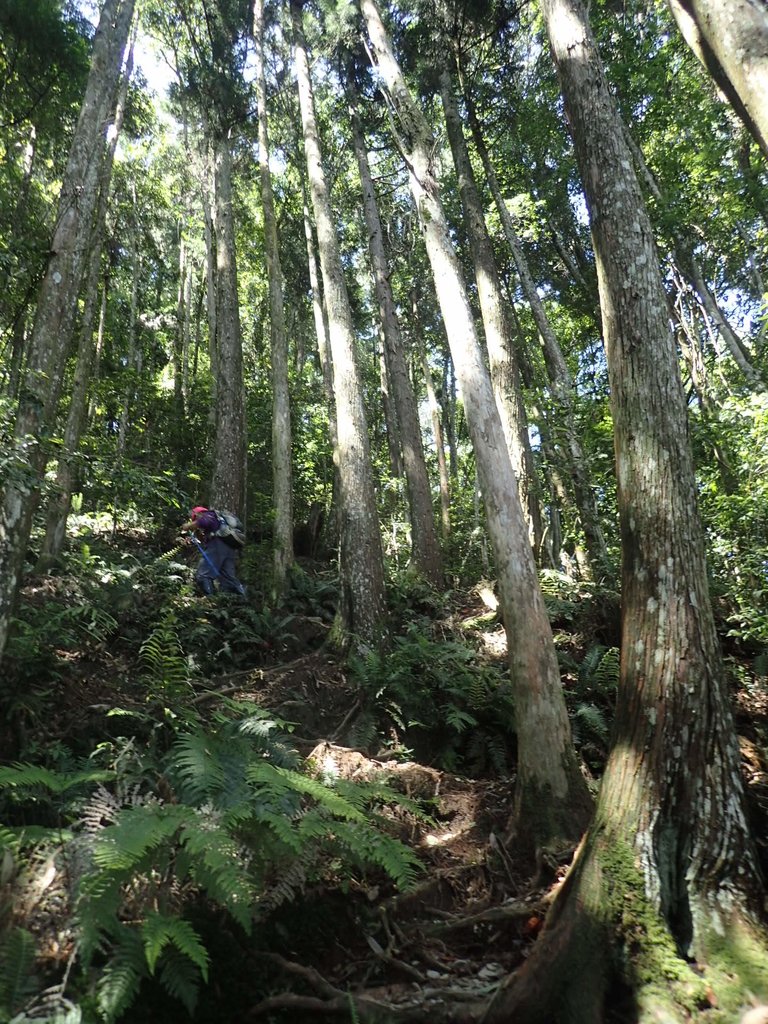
x=605, y=941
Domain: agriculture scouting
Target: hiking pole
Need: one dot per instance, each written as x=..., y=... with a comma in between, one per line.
x=216, y=572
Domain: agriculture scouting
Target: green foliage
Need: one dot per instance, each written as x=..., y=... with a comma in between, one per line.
x=590, y=693
x=165, y=668
x=223, y=633
x=17, y=960
x=436, y=697
x=247, y=828
x=30, y=651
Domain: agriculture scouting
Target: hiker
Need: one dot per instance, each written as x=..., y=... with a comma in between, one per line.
x=218, y=548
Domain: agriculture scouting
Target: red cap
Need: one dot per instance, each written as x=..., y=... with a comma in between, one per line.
x=198, y=511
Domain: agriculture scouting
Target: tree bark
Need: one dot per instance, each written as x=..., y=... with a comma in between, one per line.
x=229, y=447
x=552, y=801
x=561, y=382
x=435, y=415
x=425, y=546
x=730, y=38
x=362, y=562
x=66, y=473
x=57, y=299
x=668, y=871
x=282, y=484
x=505, y=372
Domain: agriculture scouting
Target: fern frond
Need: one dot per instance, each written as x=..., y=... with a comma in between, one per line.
x=119, y=981
x=606, y=675
x=163, y=659
x=180, y=977
x=198, y=764
x=17, y=958
x=99, y=900
x=458, y=719
x=161, y=930
x=591, y=718
x=212, y=858
x=363, y=730
x=32, y=777
x=283, y=778
x=284, y=889
x=102, y=809
x=280, y=825
x=137, y=830
x=370, y=846
x=477, y=695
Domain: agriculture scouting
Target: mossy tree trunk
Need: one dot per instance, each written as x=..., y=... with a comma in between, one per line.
x=667, y=874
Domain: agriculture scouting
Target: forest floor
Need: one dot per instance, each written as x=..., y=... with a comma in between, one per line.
x=362, y=951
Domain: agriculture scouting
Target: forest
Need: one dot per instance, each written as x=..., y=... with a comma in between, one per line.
x=384, y=511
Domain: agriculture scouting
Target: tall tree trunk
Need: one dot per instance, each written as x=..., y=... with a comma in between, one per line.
x=437, y=426
x=282, y=485
x=426, y=548
x=391, y=423
x=320, y=317
x=362, y=563
x=551, y=796
x=668, y=871
x=99, y=348
x=57, y=300
x=229, y=448
x=207, y=197
x=505, y=373
x=66, y=473
x=730, y=38
x=132, y=356
x=178, y=338
x=561, y=382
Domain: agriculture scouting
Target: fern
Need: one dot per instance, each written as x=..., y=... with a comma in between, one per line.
x=246, y=832
x=119, y=981
x=291, y=880
x=214, y=860
x=137, y=831
x=458, y=719
x=17, y=958
x=600, y=669
x=369, y=846
x=589, y=718
x=198, y=766
x=180, y=977
x=159, y=931
x=30, y=779
x=162, y=658
x=282, y=779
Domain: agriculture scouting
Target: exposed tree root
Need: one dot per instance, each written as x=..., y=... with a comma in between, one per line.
x=435, y=1004
x=518, y=910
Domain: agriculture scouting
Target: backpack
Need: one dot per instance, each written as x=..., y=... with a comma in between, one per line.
x=230, y=529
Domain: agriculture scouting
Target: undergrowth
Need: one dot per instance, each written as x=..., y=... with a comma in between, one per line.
x=437, y=700
x=230, y=817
